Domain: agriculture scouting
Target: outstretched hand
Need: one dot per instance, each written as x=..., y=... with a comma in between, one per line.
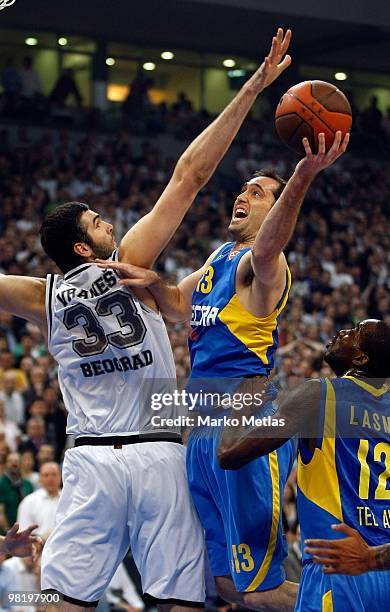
x=274, y=64
x=21, y=543
x=132, y=276
x=313, y=163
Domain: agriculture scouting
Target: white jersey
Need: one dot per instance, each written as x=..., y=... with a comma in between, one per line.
x=112, y=352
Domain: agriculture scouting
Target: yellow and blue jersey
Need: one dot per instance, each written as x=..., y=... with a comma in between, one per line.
x=226, y=340
x=240, y=510
x=346, y=479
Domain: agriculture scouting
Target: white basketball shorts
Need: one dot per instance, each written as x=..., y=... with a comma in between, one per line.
x=136, y=496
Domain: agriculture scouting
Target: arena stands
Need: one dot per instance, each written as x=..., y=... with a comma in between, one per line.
x=338, y=258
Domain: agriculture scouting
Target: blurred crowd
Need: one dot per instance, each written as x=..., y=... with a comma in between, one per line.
x=22, y=99
x=339, y=259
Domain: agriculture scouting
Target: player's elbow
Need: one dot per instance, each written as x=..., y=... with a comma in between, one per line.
x=264, y=255
x=193, y=175
x=227, y=459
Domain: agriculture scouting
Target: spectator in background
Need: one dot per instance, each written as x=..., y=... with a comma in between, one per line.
x=372, y=117
x=4, y=451
x=3, y=523
x=56, y=417
x=10, y=79
x=41, y=506
x=64, y=88
x=9, y=430
x=25, y=578
x=31, y=84
x=35, y=436
x=6, y=578
x=13, y=488
x=45, y=454
x=7, y=325
x=7, y=364
x=183, y=104
x=38, y=381
x=13, y=400
x=38, y=408
x=137, y=102
x=27, y=464
x=12, y=84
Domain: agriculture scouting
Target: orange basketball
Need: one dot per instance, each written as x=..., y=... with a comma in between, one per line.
x=309, y=108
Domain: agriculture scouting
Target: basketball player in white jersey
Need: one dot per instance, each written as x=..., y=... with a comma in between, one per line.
x=121, y=488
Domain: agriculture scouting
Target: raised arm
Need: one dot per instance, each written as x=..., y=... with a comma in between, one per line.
x=239, y=445
x=144, y=242
x=267, y=260
x=24, y=297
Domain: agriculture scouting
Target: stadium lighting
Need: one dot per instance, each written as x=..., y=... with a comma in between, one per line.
x=149, y=66
x=167, y=55
x=229, y=63
x=62, y=41
x=236, y=73
x=31, y=41
x=110, y=61
x=340, y=76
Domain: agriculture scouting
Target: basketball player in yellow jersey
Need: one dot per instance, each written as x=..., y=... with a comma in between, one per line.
x=236, y=300
x=343, y=472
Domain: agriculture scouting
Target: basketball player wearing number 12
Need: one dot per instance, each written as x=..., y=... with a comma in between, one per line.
x=120, y=487
x=343, y=472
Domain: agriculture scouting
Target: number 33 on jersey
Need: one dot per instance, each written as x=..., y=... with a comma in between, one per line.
x=98, y=330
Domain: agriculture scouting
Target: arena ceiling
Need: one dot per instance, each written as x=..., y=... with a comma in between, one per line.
x=359, y=38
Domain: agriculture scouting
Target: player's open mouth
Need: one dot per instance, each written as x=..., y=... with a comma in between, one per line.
x=239, y=214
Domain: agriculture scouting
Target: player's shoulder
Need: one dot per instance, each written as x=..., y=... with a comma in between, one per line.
x=40, y=284
x=312, y=387
x=218, y=252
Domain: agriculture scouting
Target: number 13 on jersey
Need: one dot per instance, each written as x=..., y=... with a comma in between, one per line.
x=205, y=283
x=243, y=560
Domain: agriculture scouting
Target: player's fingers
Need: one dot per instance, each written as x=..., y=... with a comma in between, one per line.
x=306, y=146
x=349, y=531
x=29, y=530
x=14, y=530
x=286, y=41
x=116, y=265
x=323, y=560
x=285, y=63
x=321, y=143
x=322, y=552
x=279, y=38
x=274, y=49
x=336, y=143
x=314, y=542
x=104, y=263
x=345, y=142
x=135, y=282
x=329, y=569
x=130, y=282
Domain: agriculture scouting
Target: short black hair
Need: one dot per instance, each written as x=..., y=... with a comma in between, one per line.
x=59, y=233
x=376, y=345
x=271, y=173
